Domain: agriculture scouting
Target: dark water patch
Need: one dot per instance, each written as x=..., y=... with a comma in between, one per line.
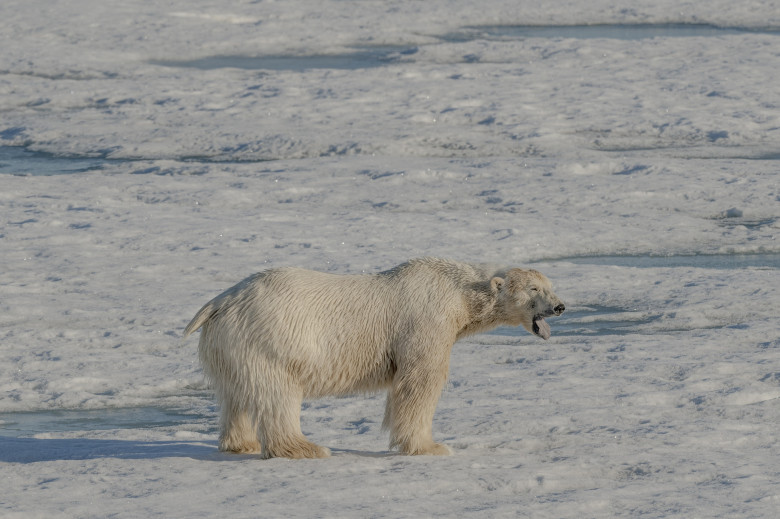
x=370, y=57
x=749, y=223
x=590, y=320
x=608, y=31
x=61, y=420
x=769, y=155
x=12, y=133
x=20, y=161
x=36, y=450
x=707, y=261
x=16, y=160
x=682, y=151
x=222, y=159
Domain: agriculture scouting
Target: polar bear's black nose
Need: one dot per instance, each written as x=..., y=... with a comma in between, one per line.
x=559, y=309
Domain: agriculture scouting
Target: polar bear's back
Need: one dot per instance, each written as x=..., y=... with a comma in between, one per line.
x=324, y=309
x=297, y=302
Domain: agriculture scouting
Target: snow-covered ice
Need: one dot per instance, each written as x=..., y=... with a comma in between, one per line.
x=200, y=142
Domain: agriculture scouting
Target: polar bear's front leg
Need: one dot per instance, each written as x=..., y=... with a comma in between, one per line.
x=411, y=404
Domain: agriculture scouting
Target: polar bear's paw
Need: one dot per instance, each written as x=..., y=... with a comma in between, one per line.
x=297, y=449
x=432, y=449
x=239, y=447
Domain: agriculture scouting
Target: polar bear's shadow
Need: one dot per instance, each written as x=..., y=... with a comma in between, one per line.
x=34, y=450
x=342, y=453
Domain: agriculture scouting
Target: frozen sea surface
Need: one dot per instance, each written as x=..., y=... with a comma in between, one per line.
x=154, y=155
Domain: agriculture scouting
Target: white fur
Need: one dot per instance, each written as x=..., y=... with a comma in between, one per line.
x=287, y=334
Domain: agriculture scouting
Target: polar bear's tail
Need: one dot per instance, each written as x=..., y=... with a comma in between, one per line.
x=219, y=304
x=203, y=315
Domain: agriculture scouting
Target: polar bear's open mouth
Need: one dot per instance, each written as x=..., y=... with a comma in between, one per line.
x=541, y=328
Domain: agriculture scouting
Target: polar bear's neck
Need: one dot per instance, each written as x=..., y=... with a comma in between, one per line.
x=481, y=309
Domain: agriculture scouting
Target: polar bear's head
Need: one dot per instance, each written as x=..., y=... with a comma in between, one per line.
x=526, y=297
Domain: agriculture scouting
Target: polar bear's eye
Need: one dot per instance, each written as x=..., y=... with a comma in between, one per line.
x=534, y=289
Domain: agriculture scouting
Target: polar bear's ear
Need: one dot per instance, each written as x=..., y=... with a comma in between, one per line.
x=496, y=283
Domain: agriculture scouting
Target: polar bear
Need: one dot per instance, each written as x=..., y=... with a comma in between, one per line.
x=289, y=334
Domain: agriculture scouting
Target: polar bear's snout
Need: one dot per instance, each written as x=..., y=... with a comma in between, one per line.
x=554, y=308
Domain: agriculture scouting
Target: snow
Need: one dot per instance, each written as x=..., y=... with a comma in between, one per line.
x=437, y=128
